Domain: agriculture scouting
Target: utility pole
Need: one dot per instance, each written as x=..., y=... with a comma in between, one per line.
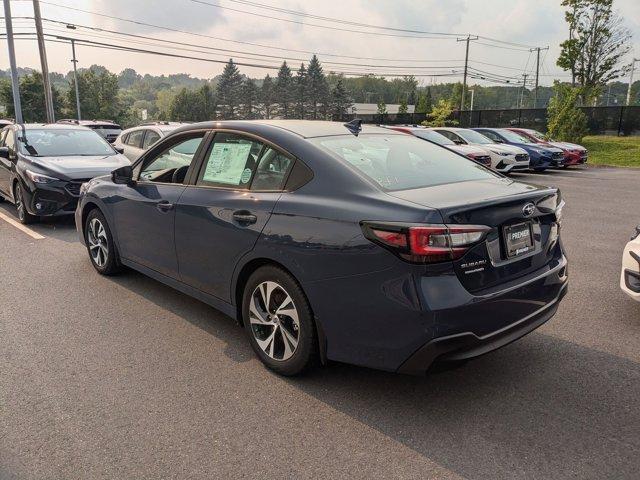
x=466, y=65
x=524, y=85
x=48, y=99
x=75, y=77
x=535, y=93
x=15, y=85
x=633, y=67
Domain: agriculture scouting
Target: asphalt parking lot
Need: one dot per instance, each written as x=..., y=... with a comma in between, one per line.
x=125, y=378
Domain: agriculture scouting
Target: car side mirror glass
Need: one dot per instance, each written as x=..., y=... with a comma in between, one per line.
x=4, y=152
x=123, y=175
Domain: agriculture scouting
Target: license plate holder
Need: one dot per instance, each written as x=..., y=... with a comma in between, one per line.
x=518, y=239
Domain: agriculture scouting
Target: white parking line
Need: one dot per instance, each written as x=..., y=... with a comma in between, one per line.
x=19, y=226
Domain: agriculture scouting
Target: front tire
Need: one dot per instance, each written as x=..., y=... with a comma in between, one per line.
x=23, y=215
x=99, y=241
x=279, y=321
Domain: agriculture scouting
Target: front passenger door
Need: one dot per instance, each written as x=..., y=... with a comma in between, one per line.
x=7, y=139
x=219, y=219
x=145, y=212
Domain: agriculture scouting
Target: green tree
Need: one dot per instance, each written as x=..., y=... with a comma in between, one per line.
x=229, y=90
x=99, y=97
x=184, y=104
x=382, y=107
x=207, y=108
x=440, y=115
x=597, y=43
x=403, y=109
x=250, y=98
x=318, y=90
x=31, y=98
x=300, y=92
x=163, y=103
x=284, y=92
x=340, y=100
x=267, y=97
x=566, y=122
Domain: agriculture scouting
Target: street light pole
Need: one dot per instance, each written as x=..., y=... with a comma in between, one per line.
x=48, y=98
x=633, y=66
x=15, y=85
x=75, y=78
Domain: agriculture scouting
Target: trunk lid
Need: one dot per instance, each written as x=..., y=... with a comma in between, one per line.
x=499, y=204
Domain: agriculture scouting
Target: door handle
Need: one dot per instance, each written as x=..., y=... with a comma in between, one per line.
x=164, y=206
x=244, y=217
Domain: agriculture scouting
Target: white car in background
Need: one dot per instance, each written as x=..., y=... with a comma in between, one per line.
x=504, y=158
x=630, y=275
x=473, y=152
x=135, y=141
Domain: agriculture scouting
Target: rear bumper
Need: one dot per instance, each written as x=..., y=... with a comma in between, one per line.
x=466, y=345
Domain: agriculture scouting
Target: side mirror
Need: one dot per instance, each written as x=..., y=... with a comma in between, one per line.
x=4, y=152
x=123, y=175
x=118, y=149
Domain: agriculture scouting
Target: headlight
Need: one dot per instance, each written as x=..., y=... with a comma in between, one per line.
x=636, y=233
x=40, y=178
x=559, y=212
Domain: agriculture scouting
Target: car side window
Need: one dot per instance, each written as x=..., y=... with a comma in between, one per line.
x=3, y=134
x=231, y=161
x=135, y=138
x=171, y=164
x=491, y=135
x=150, y=138
x=272, y=170
x=10, y=142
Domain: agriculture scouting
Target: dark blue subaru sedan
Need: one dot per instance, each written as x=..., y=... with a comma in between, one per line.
x=332, y=241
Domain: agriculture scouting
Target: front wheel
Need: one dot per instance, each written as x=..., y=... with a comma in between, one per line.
x=23, y=215
x=279, y=322
x=102, y=250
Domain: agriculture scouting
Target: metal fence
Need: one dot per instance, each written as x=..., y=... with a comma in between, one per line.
x=601, y=120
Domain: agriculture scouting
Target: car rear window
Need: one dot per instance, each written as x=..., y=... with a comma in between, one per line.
x=401, y=162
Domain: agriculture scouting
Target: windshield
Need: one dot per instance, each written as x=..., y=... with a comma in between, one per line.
x=536, y=134
x=513, y=137
x=399, y=162
x=432, y=136
x=63, y=143
x=471, y=136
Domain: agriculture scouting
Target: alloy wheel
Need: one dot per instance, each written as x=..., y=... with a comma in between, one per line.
x=274, y=320
x=98, y=245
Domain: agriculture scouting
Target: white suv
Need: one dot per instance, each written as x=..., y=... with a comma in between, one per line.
x=135, y=141
x=504, y=158
x=630, y=275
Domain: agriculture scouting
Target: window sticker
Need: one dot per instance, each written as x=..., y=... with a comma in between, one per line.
x=227, y=163
x=246, y=175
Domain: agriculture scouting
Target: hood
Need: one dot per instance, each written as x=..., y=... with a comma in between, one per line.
x=504, y=148
x=80, y=167
x=538, y=146
x=468, y=149
x=568, y=146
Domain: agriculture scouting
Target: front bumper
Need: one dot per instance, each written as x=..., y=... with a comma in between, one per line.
x=512, y=167
x=52, y=199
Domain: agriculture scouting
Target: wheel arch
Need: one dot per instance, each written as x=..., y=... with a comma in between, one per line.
x=238, y=290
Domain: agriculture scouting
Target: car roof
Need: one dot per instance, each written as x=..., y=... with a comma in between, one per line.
x=302, y=128
x=88, y=122
x=50, y=126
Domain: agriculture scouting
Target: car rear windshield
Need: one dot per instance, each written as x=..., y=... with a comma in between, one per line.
x=401, y=162
x=63, y=142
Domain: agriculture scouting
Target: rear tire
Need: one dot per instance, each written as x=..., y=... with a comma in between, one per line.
x=102, y=251
x=279, y=322
x=23, y=215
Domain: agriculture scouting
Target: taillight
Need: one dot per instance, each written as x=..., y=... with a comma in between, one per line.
x=425, y=243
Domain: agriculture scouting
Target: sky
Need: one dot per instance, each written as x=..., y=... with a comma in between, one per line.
x=206, y=27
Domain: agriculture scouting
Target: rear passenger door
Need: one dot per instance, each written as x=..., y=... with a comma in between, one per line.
x=221, y=216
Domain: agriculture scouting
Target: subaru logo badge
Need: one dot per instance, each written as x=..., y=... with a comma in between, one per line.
x=528, y=209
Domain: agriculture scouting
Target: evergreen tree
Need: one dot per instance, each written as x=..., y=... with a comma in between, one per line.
x=403, y=109
x=249, y=100
x=229, y=90
x=300, y=92
x=267, y=97
x=382, y=107
x=207, y=108
x=284, y=92
x=318, y=90
x=340, y=100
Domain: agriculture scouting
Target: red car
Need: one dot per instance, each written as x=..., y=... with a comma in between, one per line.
x=573, y=154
